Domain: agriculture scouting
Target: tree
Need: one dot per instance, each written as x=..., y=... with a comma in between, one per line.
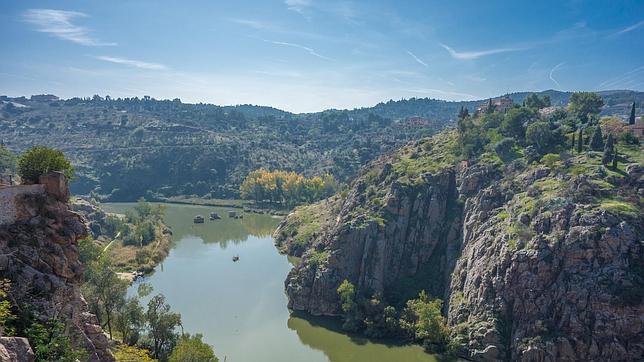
x=105, y=291
x=585, y=104
x=580, y=140
x=536, y=102
x=608, y=149
x=513, y=124
x=162, y=323
x=40, y=160
x=597, y=141
x=490, y=107
x=572, y=144
x=192, y=349
x=615, y=159
x=49, y=342
x=423, y=319
x=130, y=320
x=349, y=306
x=7, y=161
x=540, y=136
x=631, y=118
x=504, y=147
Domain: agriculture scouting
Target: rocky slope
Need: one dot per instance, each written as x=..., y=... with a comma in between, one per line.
x=535, y=263
x=39, y=255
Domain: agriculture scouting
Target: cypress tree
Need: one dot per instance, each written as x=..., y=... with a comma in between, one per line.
x=608, y=149
x=597, y=142
x=580, y=141
x=631, y=119
x=572, y=144
x=615, y=159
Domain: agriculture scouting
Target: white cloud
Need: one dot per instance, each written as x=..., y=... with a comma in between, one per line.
x=418, y=60
x=298, y=5
x=630, y=28
x=59, y=24
x=132, y=63
x=307, y=49
x=477, y=54
x=552, y=72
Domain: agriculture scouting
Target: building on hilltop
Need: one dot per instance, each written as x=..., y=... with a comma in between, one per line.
x=44, y=98
x=500, y=104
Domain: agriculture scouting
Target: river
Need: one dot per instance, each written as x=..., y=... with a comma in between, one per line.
x=240, y=307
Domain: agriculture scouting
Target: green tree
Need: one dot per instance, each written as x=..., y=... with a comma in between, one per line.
x=608, y=149
x=105, y=291
x=597, y=141
x=544, y=139
x=572, y=144
x=40, y=160
x=162, y=323
x=584, y=105
x=631, y=118
x=7, y=161
x=192, y=349
x=130, y=320
x=49, y=342
x=536, y=102
x=504, y=148
x=349, y=306
x=580, y=140
x=513, y=124
x=422, y=318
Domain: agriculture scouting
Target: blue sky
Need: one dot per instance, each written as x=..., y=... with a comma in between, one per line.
x=309, y=55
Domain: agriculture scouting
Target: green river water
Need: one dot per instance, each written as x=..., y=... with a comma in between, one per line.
x=240, y=307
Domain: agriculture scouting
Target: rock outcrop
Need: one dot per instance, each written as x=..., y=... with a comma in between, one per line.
x=535, y=264
x=39, y=256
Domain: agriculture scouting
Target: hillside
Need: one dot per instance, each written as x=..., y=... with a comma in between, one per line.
x=127, y=148
x=533, y=246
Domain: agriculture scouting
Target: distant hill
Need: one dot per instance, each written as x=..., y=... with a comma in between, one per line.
x=127, y=148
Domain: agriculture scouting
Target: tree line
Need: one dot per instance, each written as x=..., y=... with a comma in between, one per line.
x=286, y=188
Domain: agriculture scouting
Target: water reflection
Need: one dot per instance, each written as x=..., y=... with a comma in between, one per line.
x=326, y=335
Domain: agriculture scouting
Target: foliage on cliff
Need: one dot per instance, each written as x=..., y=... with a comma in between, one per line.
x=515, y=175
x=286, y=188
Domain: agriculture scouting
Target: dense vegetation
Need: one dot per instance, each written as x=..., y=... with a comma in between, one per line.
x=40, y=160
x=286, y=188
x=127, y=148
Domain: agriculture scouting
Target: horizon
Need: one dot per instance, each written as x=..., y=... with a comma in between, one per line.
x=306, y=56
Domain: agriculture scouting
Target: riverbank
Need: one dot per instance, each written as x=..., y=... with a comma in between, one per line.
x=247, y=206
x=133, y=261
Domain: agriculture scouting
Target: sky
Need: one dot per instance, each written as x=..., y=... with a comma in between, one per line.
x=310, y=55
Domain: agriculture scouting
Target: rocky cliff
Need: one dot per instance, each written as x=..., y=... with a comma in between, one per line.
x=39, y=256
x=534, y=263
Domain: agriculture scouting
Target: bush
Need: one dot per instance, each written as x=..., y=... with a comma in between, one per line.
x=50, y=343
x=551, y=160
x=40, y=160
x=192, y=349
x=503, y=148
x=423, y=319
x=7, y=161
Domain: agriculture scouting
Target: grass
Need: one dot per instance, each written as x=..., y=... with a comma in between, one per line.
x=432, y=156
x=620, y=207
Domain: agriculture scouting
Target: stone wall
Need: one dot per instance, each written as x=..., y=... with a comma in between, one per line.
x=9, y=207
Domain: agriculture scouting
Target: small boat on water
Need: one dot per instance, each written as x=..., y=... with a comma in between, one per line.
x=198, y=219
x=235, y=258
x=214, y=216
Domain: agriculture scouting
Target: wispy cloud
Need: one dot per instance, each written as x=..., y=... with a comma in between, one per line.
x=418, y=60
x=298, y=6
x=630, y=77
x=132, y=63
x=628, y=29
x=477, y=54
x=442, y=93
x=475, y=78
x=252, y=23
x=307, y=49
x=552, y=72
x=59, y=23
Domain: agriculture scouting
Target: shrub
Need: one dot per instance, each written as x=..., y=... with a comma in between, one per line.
x=40, y=160
x=192, y=349
x=551, y=160
x=503, y=148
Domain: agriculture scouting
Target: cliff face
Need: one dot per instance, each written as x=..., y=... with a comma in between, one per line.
x=534, y=264
x=39, y=255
